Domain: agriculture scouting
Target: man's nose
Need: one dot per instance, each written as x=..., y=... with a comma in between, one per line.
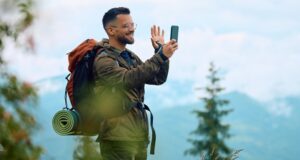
x=131, y=29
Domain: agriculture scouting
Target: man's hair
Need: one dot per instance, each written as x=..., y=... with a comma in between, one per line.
x=111, y=15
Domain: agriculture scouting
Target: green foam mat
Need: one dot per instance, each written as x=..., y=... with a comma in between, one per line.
x=65, y=122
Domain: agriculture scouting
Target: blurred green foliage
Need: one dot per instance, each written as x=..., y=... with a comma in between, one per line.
x=16, y=97
x=87, y=149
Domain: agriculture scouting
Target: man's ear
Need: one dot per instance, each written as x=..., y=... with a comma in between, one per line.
x=110, y=31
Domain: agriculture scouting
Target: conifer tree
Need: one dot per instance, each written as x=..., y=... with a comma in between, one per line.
x=211, y=133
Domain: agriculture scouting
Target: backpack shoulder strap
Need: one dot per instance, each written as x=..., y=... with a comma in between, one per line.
x=76, y=54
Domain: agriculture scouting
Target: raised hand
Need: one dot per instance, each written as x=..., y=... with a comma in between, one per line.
x=157, y=36
x=169, y=48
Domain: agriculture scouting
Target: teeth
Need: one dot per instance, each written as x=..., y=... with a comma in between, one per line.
x=130, y=34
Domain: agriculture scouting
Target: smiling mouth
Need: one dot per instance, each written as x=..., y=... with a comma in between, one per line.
x=130, y=34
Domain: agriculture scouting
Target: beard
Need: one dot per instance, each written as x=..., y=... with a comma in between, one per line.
x=124, y=39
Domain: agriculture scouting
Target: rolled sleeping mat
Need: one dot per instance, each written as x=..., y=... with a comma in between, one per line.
x=65, y=122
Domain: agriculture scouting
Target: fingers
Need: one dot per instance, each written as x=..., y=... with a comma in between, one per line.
x=158, y=31
x=152, y=40
x=152, y=31
x=175, y=47
x=172, y=41
x=172, y=44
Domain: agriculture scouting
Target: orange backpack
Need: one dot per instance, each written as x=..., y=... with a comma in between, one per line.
x=80, y=83
x=74, y=58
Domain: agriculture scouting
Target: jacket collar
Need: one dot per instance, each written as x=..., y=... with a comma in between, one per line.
x=115, y=51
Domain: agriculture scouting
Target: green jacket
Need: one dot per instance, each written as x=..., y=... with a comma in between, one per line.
x=118, y=84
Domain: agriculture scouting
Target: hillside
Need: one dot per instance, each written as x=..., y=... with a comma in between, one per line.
x=261, y=135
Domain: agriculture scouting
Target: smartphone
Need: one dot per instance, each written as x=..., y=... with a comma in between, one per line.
x=174, y=32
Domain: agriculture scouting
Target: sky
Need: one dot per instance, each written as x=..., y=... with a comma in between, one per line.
x=254, y=43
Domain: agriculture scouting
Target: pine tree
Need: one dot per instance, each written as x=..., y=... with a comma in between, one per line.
x=16, y=96
x=211, y=132
x=86, y=149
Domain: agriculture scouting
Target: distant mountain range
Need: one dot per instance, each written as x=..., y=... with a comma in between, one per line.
x=261, y=135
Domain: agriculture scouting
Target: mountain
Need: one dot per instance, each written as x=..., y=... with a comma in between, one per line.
x=261, y=134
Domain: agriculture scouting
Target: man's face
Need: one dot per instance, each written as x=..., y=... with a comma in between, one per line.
x=124, y=29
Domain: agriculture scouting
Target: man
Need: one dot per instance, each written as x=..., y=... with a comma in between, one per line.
x=120, y=79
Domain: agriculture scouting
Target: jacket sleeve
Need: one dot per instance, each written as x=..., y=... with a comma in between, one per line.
x=107, y=71
x=161, y=76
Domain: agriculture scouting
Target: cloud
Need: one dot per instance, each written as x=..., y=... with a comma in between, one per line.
x=33, y=67
x=254, y=43
x=49, y=86
x=256, y=65
x=260, y=66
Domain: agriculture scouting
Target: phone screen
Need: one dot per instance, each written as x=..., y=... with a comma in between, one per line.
x=174, y=32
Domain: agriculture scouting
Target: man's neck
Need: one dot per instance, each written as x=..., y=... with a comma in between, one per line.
x=116, y=44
